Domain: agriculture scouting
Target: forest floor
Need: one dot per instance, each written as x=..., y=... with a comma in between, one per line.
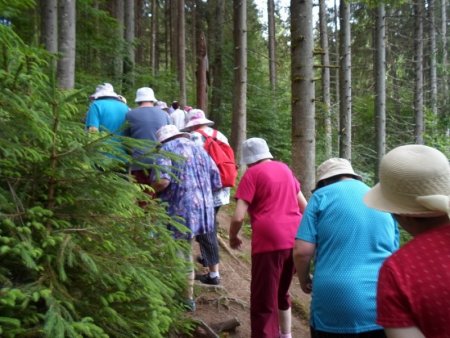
x=230, y=301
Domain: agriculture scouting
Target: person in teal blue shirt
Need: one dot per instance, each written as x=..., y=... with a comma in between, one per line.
x=348, y=243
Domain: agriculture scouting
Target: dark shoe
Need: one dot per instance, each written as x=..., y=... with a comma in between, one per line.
x=206, y=279
x=190, y=305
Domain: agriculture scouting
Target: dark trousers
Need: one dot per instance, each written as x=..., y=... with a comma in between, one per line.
x=209, y=246
x=367, y=334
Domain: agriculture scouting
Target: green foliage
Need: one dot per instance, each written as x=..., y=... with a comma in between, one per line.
x=78, y=256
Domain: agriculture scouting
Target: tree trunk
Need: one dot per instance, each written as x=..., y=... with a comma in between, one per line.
x=325, y=77
x=129, y=38
x=445, y=73
x=119, y=14
x=418, y=69
x=239, y=117
x=216, y=97
x=345, y=83
x=433, y=51
x=271, y=43
x=181, y=60
x=380, y=83
x=337, y=96
x=155, y=34
x=66, y=42
x=302, y=72
x=49, y=25
x=140, y=32
x=202, y=68
x=173, y=12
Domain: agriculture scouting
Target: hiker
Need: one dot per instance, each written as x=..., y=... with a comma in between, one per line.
x=107, y=111
x=413, y=299
x=348, y=243
x=177, y=115
x=271, y=194
x=200, y=128
x=143, y=123
x=187, y=186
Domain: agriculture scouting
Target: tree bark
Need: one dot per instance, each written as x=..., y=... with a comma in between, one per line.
x=445, y=75
x=418, y=70
x=345, y=82
x=154, y=42
x=239, y=117
x=380, y=83
x=181, y=60
x=173, y=17
x=119, y=14
x=202, y=68
x=66, y=42
x=129, y=38
x=271, y=43
x=216, y=96
x=325, y=77
x=433, y=52
x=49, y=25
x=303, y=113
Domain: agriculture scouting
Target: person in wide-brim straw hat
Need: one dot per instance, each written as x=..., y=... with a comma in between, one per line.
x=413, y=288
x=348, y=242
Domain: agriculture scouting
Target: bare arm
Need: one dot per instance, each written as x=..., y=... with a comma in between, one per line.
x=303, y=254
x=301, y=202
x=236, y=223
x=160, y=184
x=405, y=332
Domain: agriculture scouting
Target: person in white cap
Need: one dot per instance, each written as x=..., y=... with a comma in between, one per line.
x=186, y=185
x=348, y=243
x=271, y=194
x=413, y=299
x=143, y=123
x=107, y=111
x=200, y=128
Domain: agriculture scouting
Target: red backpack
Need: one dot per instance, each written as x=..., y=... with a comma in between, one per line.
x=223, y=155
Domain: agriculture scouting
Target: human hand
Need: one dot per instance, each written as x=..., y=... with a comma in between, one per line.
x=235, y=242
x=306, y=284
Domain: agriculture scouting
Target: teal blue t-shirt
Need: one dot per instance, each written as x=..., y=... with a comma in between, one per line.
x=352, y=241
x=107, y=114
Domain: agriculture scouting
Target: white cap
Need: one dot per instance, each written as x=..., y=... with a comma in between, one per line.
x=145, y=94
x=255, y=149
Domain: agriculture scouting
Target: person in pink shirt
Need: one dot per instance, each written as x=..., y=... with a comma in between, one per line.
x=271, y=195
x=413, y=297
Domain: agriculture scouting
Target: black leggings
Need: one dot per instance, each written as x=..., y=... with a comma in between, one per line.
x=367, y=334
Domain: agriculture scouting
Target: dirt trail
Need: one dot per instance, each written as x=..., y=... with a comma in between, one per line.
x=231, y=299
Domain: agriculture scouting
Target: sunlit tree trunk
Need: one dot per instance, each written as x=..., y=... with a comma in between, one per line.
x=66, y=43
x=325, y=77
x=380, y=83
x=181, y=60
x=433, y=51
x=49, y=25
x=216, y=97
x=239, y=115
x=302, y=87
x=345, y=82
x=118, y=60
x=129, y=38
x=271, y=43
x=418, y=70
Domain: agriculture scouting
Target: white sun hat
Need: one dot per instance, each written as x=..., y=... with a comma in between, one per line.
x=104, y=90
x=196, y=117
x=414, y=180
x=333, y=167
x=145, y=94
x=255, y=149
x=167, y=132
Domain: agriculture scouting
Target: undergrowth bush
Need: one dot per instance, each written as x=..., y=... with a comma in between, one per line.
x=78, y=256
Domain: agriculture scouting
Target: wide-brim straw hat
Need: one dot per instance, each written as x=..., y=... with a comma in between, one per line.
x=253, y=150
x=196, y=117
x=414, y=180
x=333, y=167
x=167, y=132
x=104, y=90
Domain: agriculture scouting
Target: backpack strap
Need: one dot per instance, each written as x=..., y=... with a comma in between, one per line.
x=214, y=134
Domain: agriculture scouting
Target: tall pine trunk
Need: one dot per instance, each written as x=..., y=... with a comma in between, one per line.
x=66, y=43
x=271, y=43
x=302, y=72
x=181, y=57
x=202, y=68
x=433, y=52
x=380, y=83
x=345, y=82
x=119, y=14
x=325, y=78
x=418, y=70
x=129, y=38
x=239, y=117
